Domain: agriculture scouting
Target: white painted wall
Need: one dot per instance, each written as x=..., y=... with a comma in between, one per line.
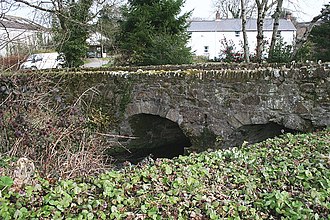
x=13, y=40
x=212, y=40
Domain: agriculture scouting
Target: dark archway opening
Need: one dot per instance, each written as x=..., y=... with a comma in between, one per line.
x=257, y=133
x=157, y=137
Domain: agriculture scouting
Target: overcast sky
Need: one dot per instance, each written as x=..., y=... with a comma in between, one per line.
x=304, y=10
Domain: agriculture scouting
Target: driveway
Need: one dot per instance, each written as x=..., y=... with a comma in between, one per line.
x=95, y=62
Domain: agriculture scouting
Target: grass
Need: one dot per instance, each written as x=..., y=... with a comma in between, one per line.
x=281, y=178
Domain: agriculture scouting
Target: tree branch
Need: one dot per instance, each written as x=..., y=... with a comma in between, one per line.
x=325, y=11
x=275, y=27
x=35, y=6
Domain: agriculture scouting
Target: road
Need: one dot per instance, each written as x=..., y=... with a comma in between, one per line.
x=95, y=62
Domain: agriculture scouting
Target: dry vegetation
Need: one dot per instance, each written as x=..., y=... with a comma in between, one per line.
x=11, y=62
x=38, y=124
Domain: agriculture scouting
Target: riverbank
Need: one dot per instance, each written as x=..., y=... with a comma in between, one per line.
x=282, y=177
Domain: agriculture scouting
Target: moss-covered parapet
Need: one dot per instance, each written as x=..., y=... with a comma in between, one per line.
x=221, y=70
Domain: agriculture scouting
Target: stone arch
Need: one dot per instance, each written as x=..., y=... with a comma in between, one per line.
x=154, y=107
x=254, y=133
x=154, y=135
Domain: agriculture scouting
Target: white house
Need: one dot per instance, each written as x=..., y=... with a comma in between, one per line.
x=207, y=36
x=19, y=35
x=22, y=36
x=96, y=46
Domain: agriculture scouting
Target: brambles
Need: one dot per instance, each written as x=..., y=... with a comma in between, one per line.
x=39, y=124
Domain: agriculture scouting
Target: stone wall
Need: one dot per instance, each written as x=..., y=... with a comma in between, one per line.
x=210, y=103
x=221, y=101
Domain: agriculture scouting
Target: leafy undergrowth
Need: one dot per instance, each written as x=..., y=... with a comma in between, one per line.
x=286, y=177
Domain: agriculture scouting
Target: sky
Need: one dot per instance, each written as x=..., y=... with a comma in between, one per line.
x=304, y=10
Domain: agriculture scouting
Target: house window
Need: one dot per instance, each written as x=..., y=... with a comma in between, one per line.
x=206, y=49
x=237, y=33
x=278, y=34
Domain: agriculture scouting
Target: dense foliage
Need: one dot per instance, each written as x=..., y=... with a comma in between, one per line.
x=320, y=37
x=153, y=33
x=71, y=31
x=107, y=25
x=305, y=52
x=286, y=177
x=281, y=52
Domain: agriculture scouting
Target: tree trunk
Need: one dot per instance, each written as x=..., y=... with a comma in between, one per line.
x=300, y=42
x=260, y=35
x=275, y=27
x=262, y=7
x=245, y=39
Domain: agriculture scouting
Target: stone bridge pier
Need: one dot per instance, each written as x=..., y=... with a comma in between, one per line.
x=216, y=107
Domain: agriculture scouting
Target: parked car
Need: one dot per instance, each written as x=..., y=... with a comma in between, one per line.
x=42, y=61
x=91, y=54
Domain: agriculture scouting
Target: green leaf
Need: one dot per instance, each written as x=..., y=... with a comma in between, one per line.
x=6, y=181
x=144, y=208
x=113, y=208
x=190, y=181
x=213, y=215
x=242, y=208
x=316, y=216
x=168, y=170
x=90, y=216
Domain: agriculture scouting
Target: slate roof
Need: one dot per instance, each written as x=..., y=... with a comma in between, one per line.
x=229, y=25
x=13, y=22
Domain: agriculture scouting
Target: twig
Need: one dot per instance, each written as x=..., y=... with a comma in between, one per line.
x=6, y=99
x=93, y=89
x=117, y=136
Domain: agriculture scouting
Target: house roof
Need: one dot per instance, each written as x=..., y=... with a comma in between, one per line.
x=13, y=22
x=224, y=25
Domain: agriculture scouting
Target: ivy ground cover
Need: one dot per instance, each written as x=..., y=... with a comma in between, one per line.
x=281, y=178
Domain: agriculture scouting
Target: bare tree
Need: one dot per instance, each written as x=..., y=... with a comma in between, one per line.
x=232, y=8
x=245, y=39
x=4, y=7
x=15, y=45
x=263, y=7
x=61, y=7
x=276, y=24
x=227, y=8
x=299, y=43
x=58, y=9
x=71, y=21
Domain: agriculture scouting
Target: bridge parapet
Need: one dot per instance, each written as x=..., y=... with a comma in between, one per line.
x=219, y=103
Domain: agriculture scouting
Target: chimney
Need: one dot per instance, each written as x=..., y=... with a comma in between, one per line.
x=217, y=16
x=288, y=16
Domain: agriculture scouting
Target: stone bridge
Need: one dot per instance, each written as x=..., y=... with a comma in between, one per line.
x=173, y=109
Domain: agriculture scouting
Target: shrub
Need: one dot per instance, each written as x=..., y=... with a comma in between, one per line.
x=60, y=137
x=281, y=53
x=305, y=52
x=229, y=52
